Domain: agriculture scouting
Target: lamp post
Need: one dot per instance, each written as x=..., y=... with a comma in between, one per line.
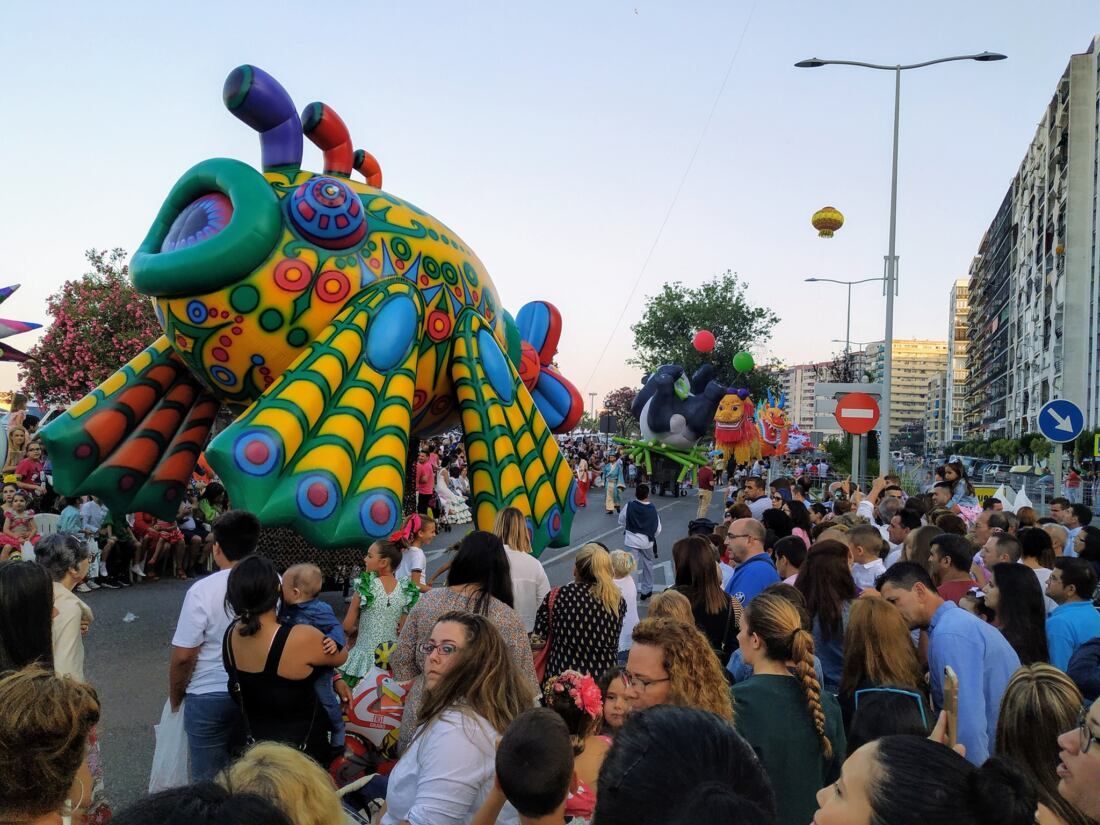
x=848, y=324
x=891, y=256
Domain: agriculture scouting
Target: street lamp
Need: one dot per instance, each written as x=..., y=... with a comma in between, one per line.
x=891, y=258
x=848, y=325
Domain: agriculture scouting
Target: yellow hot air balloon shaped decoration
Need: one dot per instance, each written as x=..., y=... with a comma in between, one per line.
x=826, y=221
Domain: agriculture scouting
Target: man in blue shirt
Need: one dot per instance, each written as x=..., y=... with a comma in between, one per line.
x=978, y=653
x=1075, y=620
x=755, y=569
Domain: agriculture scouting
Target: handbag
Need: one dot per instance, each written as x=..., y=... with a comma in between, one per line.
x=543, y=656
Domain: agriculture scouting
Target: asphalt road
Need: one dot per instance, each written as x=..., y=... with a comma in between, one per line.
x=127, y=661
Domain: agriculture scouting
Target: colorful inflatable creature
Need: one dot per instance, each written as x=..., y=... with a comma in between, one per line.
x=774, y=426
x=735, y=432
x=340, y=321
x=673, y=411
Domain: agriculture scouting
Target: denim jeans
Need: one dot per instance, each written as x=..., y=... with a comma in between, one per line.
x=208, y=719
x=326, y=693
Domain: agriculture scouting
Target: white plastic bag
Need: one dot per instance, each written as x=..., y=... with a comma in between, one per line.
x=170, y=762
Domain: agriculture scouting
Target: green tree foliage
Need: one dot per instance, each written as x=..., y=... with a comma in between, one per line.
x=672, y=316
x=617, y=403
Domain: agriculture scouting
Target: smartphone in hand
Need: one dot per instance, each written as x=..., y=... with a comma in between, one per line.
x=951, y=705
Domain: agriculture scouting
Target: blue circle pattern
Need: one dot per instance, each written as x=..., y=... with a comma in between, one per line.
x=369, y=525
x=223, y=375
x=196, y=312
x=553, y=522
x=571, y=498
x=317, y=512
x=244, y=441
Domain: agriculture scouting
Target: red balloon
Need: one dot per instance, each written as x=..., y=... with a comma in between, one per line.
x=703, y=341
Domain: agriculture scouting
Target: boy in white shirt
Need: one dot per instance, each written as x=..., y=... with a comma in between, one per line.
x=866, y=546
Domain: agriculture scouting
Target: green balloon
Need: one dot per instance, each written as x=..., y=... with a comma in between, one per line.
x=742, y=362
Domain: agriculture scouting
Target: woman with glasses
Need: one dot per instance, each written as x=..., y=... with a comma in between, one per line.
x=1038, y=704
x=878, y=652
x=1079, y=763
x=479, y=582
x=582, y=621
x=472, y=692
x=671, y=663
x=792, y=724
x=825, y=579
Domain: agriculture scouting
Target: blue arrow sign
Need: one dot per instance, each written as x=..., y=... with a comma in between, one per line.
x=1061, y=420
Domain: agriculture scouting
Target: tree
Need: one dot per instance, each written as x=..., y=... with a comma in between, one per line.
x=673, y=315
x=617, y=403
x=99, y=323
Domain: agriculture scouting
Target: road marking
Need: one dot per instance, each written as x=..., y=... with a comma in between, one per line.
x=616, y=529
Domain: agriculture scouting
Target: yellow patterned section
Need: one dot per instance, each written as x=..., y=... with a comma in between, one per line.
x=324, y=449
x=514, y=459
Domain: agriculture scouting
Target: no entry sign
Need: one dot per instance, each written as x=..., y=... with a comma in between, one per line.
x=857, y=413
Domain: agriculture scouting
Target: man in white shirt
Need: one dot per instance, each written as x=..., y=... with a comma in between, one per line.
x=756, y=497
x=196, y=671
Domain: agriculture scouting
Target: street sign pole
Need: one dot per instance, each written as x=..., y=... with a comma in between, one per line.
x=855, y=457
x=1061, y=421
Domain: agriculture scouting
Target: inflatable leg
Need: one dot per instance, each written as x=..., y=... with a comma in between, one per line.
x=513, y=458
x=134, y=440
x=325, y=445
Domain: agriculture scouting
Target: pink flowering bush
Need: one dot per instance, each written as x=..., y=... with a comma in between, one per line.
x=99, y=323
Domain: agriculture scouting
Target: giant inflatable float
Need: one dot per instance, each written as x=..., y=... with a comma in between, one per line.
x=339, y=322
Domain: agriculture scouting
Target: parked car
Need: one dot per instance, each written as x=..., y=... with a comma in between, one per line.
x=995, y=473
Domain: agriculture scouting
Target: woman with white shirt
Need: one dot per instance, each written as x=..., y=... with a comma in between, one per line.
x=622, y=565
x=66, y=559
x=529, y=581
x=473, y=692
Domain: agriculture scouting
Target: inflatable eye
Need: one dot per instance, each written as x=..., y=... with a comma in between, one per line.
x=203, y=218
x=326, y=212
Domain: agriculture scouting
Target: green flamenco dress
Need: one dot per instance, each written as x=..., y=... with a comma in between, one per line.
x=379, y=615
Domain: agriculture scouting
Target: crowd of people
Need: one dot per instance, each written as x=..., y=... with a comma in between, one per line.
x=796, y=669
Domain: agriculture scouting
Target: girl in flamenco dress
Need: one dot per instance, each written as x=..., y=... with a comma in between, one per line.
x=377, y=611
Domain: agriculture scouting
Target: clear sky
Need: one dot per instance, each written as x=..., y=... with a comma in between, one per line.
x=553, y=137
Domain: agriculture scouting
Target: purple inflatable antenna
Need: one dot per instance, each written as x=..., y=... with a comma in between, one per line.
x=259, y=100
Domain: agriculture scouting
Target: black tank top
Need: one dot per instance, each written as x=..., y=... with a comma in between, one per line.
x=275, y=708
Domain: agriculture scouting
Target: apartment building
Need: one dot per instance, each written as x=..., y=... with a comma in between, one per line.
x=936, y=413
x=799, y=381
x=1034, y=291
x=954, y=393
x=914, y=363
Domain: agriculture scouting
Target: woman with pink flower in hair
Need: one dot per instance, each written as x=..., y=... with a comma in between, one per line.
x=577, y=699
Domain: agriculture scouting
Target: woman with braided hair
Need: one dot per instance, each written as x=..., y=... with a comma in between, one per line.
x=781, y=710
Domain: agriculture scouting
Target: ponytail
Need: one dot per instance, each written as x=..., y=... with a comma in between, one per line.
x=406, y=536
x=779, y=625
x=594, y=565
x=921, y=781
x=802, y=652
